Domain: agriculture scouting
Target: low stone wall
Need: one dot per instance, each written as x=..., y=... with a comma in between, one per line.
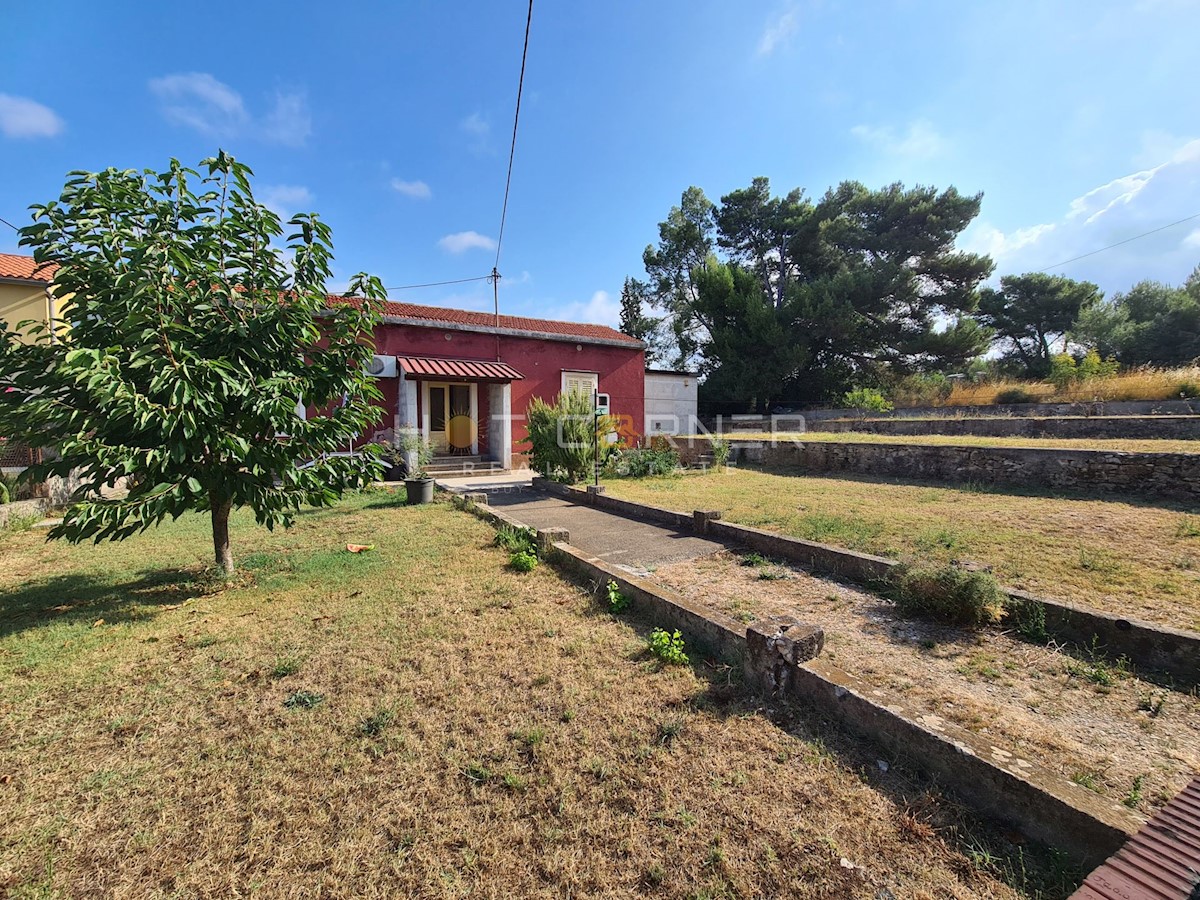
x=1180, y=428
x=1153, y=648
x=778, y=656
x=1174, y=476
x=1043, y=410
x=23, y=509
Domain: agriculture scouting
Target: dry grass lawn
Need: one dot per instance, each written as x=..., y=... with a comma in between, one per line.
x=1130, y=445
x=1132, y=559
x=1091, y=721
x=416, y=721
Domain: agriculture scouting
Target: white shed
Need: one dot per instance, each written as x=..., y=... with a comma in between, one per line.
x=670, y=402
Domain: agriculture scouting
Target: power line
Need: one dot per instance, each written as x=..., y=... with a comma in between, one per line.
x=1119, y=243
x=413, y=287
x=9, y=224
x=513, y=148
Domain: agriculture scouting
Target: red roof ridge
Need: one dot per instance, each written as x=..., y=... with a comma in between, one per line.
x=19, y=267
x=481, y=319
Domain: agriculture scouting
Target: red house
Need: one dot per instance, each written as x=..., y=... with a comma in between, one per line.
x=465, y=379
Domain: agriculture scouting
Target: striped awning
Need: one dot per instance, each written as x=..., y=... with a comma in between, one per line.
x=460, y=369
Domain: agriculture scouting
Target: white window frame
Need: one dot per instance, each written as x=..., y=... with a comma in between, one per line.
x=589, y=382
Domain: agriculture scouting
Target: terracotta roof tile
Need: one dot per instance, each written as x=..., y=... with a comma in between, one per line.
x=438, y=314
x=24, y=268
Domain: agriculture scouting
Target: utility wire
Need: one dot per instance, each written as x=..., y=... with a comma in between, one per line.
x=412, y=287
x=1119, y=243
x=513, y=148
x=9, y=224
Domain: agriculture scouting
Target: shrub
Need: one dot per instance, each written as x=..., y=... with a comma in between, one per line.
x=720, y=451
x=1188, y=389
x=668, y=647
x=523, y=561
x=1063, y=372
x=1015, y=395
x=950, y=594
x=867, y=400
x=640, y=462
x=562, y=436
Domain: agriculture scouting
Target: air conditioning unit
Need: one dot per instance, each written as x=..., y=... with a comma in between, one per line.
x=382, y=367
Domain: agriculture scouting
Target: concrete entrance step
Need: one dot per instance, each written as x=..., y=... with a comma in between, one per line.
x=450, y=466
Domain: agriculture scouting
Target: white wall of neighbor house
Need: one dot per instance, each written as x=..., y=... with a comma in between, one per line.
x=671, y=402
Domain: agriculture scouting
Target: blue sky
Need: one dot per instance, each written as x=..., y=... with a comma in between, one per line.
x=1079, y=121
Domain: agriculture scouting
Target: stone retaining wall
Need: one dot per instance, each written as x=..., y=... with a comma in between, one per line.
x=1174, y=476
x=1091, y=408
x=23, y=508
x=1181, y=428
x=1154, y=648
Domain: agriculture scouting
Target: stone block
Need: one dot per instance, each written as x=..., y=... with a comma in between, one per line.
x=775, y=646
x=701, y=518
x=547, y=537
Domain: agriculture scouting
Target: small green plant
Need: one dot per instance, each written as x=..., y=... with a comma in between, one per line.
x=772, y=575
x=514, y=783
x=617, y=601
x=285, y=666
x=1188, y=528
x=16, y=524
x=517, y=540
x=304, y=700
x=668, y=647
x=753, y=559
x=1134, y=797
x=1097, y=669
x=523, y=561
x=949, y=594
x=1088, y=780
x=374, y=724
x=1029, y=618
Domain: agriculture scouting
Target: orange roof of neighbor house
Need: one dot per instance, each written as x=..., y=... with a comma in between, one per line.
x=24, y=268
x=436, y=315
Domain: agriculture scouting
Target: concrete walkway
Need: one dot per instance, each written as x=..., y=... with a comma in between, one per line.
x=637, y=547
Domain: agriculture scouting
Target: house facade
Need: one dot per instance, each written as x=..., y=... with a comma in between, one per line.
x=465, y=379
x=25, y=293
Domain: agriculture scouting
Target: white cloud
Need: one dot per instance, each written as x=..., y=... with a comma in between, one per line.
x=285, y=199
x=601, y=309
x=417, y=189
x=475, y=125
x=779, y=30
x=21, y=117
x=466, y=240
x=289, y=122
x=1125, y=207
x=920, y=140
x=199, y=101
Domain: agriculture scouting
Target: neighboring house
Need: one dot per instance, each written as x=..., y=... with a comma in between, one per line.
x=465, y=379
x=25, y=295
x=671, y=402
x=25, y=292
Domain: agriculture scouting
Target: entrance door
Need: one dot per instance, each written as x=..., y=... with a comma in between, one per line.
x=451, y=422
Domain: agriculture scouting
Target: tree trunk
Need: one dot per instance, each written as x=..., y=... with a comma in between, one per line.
x=222, y=553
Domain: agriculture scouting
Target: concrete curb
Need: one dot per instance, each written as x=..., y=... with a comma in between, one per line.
x=1157, y=648
x=990, y=779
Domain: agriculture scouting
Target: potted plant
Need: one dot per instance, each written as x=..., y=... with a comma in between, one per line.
x=417, y=454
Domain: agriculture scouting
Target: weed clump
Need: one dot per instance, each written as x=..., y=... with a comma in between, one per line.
x=950, y=594
x=523, y=561
x=668, y=647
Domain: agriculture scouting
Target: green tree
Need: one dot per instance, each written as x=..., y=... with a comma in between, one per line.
x=635, y=322
x=191, y=340
x=1151, y=324
x=812, y=297
x=1033, y=312
x=685, y=240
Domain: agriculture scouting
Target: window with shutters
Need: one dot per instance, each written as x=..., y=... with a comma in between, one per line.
x=581, y=382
